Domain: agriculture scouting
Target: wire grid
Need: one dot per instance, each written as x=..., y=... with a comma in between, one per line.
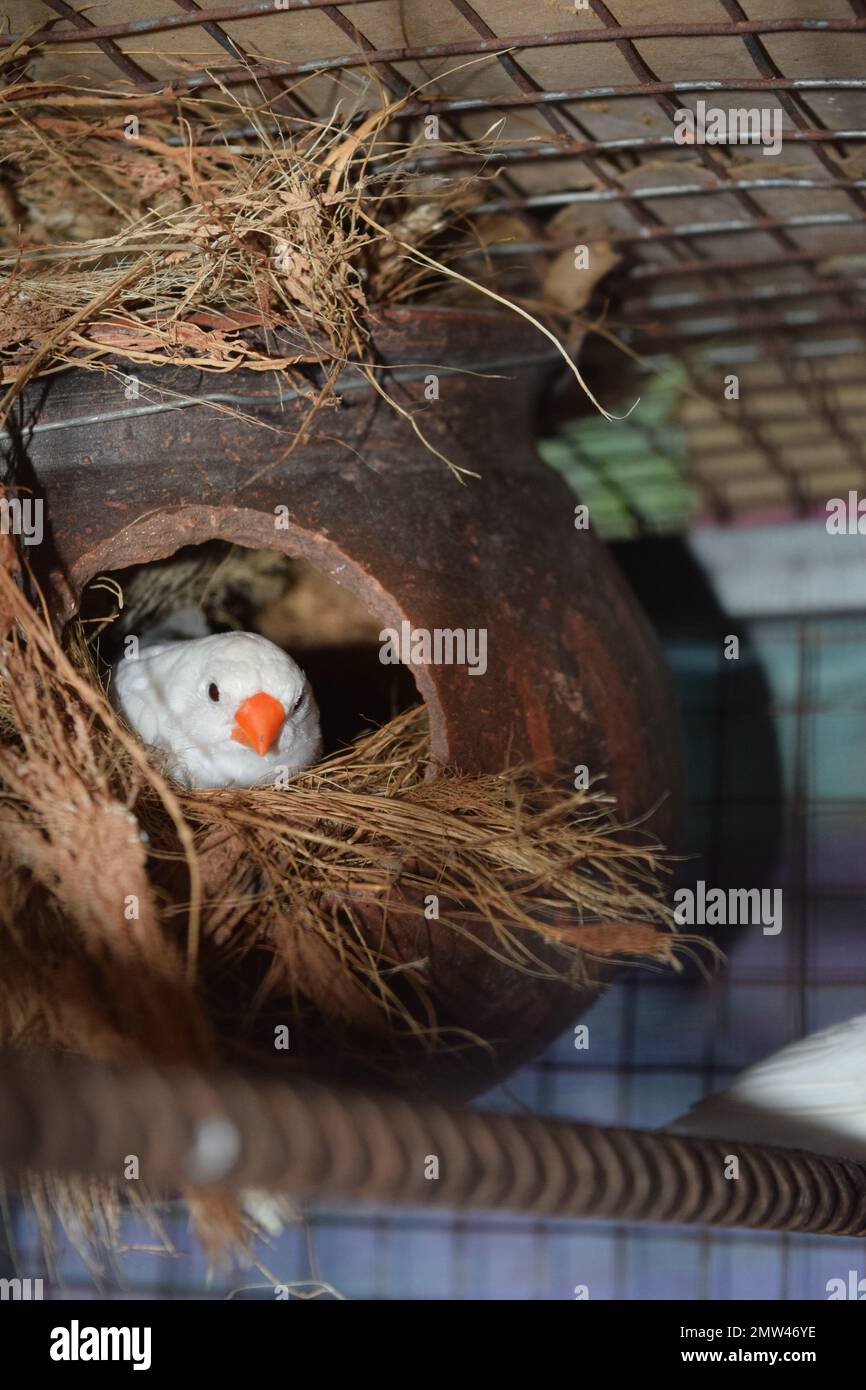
x=728, y=266
x=775, y=746
x=655, y=1045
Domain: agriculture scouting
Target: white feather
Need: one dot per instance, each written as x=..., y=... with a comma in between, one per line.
x=810, y=1095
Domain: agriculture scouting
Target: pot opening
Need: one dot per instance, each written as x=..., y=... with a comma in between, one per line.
x=324, y=626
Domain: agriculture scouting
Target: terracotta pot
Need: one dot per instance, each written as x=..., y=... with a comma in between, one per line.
x=574, y=675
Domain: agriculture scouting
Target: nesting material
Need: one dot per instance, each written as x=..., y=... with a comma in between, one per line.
x=90, y=823
x=149, y=230
x=152, y=230
x=217, y=234
x=144, y=922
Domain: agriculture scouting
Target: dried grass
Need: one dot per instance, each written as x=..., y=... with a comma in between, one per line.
x=186, y=244
x=262, y=907
x=194, y=245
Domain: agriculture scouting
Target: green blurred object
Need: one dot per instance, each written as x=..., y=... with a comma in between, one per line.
x=632, y=474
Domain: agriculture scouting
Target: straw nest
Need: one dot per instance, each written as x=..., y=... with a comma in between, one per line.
x=218, y=233
x=144, y=922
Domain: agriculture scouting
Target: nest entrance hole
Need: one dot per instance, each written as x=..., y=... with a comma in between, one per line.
x=324, y=626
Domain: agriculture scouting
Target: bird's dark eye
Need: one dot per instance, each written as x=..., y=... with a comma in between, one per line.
x=300, y=700
x=213, y=691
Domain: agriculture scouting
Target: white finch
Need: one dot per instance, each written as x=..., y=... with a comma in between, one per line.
x=810, y=1095
x=230, y=709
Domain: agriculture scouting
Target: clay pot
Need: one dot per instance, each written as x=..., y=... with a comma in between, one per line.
x=573, y=676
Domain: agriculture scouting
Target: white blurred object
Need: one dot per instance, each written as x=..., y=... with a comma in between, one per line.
x=810, y=1095
x=769, y=571
x=271, y=1214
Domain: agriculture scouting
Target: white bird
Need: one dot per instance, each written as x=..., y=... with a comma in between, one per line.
x=230, y=709
x=810, y=1095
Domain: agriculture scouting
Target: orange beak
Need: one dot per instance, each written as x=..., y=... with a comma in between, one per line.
x=258, y=722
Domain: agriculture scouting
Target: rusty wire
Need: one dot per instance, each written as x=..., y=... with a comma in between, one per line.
x=295, y=1137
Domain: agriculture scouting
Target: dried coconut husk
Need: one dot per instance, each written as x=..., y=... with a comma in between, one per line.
x=192, y=244
x=189, y=243
x=269, y=907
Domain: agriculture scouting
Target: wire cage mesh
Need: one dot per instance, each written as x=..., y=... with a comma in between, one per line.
x=723, y=261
